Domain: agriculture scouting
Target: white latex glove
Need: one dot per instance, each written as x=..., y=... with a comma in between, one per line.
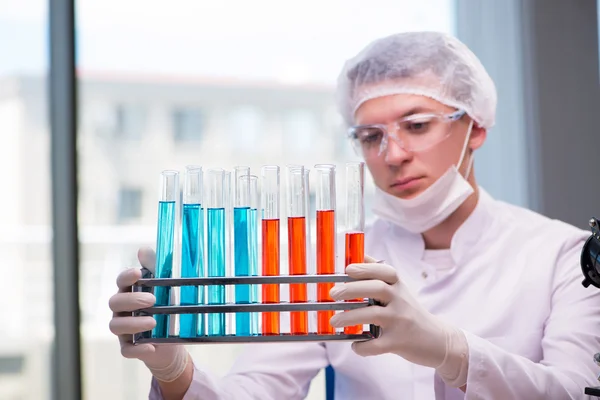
x=407, y=328
x=166, y=362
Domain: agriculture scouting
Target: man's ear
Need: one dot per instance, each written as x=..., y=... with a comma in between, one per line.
x=478, y=136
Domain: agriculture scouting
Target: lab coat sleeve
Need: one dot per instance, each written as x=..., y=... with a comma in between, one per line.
x=262, y=371
x=569, y=342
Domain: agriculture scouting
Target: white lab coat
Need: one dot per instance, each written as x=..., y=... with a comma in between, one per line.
x=515, y=289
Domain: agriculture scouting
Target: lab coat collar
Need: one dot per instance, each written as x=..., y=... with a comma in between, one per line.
x=466, y=237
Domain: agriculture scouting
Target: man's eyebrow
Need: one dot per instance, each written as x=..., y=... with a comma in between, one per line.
x=415, y=110
x=411, y=111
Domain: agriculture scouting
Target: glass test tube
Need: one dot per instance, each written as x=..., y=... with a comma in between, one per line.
x=229, y=289
x=297, y=245
x=325, y=205
x=216, y=236
x=310, y=265
x=165, y=245
x=307, y=212
x=192, y=256
x=241, y=228
x=355, y=222
x=270, y=245
x=253, y=244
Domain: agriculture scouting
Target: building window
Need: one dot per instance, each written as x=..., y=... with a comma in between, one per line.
x=130, y=121
x=188, y=124
x=11, y=364
x=130, y=204
x=245, y=124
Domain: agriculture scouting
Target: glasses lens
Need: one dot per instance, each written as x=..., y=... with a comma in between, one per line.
x=415, y=133
x=367, y=140
x=422, y=131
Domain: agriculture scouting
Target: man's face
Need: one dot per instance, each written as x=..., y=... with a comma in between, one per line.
x=406, y=174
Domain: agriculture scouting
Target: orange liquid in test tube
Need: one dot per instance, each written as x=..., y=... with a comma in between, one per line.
x=297, y=264
x=355, y=254
x=270, y=244
x=355, y=223
x=325, y=266
x=270, y=267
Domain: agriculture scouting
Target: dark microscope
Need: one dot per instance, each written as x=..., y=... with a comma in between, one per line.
x=590, y=266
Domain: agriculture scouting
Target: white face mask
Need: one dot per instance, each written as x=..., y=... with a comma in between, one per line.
x=431, y=207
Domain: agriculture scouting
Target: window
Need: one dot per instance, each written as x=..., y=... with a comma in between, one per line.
x=25, y=210
x=11, y=364
x=188, y=124
x=244, y=127
x=130, y=122
x=130, y=204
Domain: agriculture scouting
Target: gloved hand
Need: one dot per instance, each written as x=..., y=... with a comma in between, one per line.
x=166, y=362
x=407, y=328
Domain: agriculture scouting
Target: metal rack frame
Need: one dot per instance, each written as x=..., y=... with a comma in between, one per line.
x=148, y=282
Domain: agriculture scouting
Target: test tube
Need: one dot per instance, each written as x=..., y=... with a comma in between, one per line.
x=270, y=245
x=253, y=244
x=310, y=265
x=229, y=289
x=241, y=228
x=216, y=236
x=355, y=222
x=325, y=205
x=192, y=255
x=165, y=245
x=297, y=245
x=307, y=212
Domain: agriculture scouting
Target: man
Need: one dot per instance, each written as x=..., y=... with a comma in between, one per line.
x=481, y=299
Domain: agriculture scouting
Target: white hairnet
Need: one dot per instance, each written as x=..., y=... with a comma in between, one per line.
x=431, y=64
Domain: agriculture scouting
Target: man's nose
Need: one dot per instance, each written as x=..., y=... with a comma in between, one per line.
x=395, y=154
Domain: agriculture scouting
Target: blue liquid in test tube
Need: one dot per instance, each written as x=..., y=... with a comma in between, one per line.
x=192, y=256
x=242, y=267
x=242, y=246
x=165, y=242
x=215, y=210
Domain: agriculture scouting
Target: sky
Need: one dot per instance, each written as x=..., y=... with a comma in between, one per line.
x=298, y=42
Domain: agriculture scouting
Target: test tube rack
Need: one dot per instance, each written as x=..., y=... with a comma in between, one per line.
x=202, y=229
x=148, y=282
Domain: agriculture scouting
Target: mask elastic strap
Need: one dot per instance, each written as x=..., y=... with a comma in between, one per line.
x=469, y=167
x=464, y=150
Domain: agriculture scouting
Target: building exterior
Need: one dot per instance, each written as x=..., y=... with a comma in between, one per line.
x=131, y=127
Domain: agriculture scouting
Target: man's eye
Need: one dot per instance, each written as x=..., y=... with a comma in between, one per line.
x=417, y=127
x=370, y=136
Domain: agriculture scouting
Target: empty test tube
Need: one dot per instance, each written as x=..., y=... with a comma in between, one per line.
x=241, y=229
x=254, y=251
x=355, y=222
x=192, y=255
x=310, y=265
x=270, y=195
x=307, y=213
x=165, y=244
x=325, y=205
x=297, y=245
x=216, y=238
x=229, y=289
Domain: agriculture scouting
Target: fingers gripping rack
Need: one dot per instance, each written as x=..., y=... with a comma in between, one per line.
x=148, y=283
